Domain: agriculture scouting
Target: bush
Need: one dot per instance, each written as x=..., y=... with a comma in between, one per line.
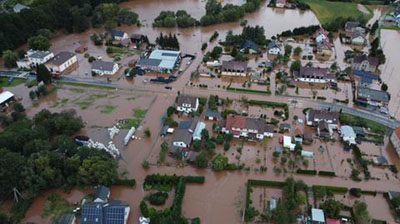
x=331, y=188
x=265, y=183
x=309, y=172
x=326, y=173
x=195, y=179
x=126, y=182
x=356, y=192
x=143, y=209
x=157, y=198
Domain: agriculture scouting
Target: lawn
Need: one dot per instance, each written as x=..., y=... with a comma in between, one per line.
x=97, y=86
x=55, y=207
x=328, y=12
x=107, y=109
x=15, y=82
x=88, y=101
x=138, y=115
x=117, y=50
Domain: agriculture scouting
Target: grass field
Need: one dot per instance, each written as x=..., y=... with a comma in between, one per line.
x=327, y=12
x=15, y=82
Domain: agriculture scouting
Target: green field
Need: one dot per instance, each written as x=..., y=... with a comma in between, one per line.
x=327, y=12
x=15, y=82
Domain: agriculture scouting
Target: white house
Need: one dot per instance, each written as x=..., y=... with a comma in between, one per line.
x=287, y=143
x=314, y=75
x=61, y=62
x=187, y=104
x=320, y=35
x=251, y=128
x=348, y=135
x=104, y=67
x=317, y=216
x=313, y=117
x=274, y=48
x=34, y=58
x=184, y=134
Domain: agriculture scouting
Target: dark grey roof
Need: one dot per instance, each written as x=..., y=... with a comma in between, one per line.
x=360, y=58
x=117, y=33
x=274, y=44
x=39, y=54
x=103, y=65
x=351, y=25
x=286, y=125
x=240, y=66
x=315, y=73
x=102, y=193
x=382, y=160
x=323, y=115
x=103, y=213
x=182, y=135
x=358, y=130
x=249, y=44
x=212, y=113
x=136, y=36
x=114, y=213
x=193, y=156
x=60, y=58
x=148, y=62
x=66, y=219
x=356, y=34
x=372, y=94
x=323, y=126
x=186, y=99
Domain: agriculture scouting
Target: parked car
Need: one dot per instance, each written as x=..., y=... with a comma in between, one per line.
x=168, y=87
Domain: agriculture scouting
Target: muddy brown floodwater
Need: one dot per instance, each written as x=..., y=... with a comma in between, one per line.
x=223, y=194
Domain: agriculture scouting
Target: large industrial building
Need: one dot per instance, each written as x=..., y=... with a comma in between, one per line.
x=163, y=61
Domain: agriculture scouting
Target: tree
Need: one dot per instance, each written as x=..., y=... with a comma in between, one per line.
x=209, y=145
x=39, y=43
x=145, y=164
x=97, y=171
x=125, y=16
x=10, y=59
x=201, y=160
x=219, y=162
x=297, y=51
x=204, y=134
x=295, y=66
x=43, y=74
x=196, y=145
x=332, y=208
x=361, y=214
x=374, y=27
x=384, y=87
x=11, y=176
x=226, y=146
x=147, y=132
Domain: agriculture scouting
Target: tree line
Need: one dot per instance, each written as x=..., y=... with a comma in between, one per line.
x=68, y=15
x=40, y=154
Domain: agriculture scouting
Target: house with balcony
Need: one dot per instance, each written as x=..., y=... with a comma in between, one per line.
x=234, y=68
x=187, y=104
x=246, y=127
x=314, y=117
x=314, y=75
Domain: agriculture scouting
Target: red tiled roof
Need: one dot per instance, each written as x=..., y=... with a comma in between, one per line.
x=235, y=121
x=332, y=221
x=397, y=131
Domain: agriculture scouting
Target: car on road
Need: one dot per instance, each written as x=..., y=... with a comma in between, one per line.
x=168, y=87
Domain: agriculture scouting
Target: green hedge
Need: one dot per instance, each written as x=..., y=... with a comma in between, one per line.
x=125, y=182
x=248, y=90
x=266, y=183
x=267, y=103
x=195, y=179
x=308, y=172
x=373, y=193
x=331, y=188
x=327, y=173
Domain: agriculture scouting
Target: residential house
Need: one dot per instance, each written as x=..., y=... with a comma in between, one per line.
x=6, y=98
x=104, y=67
x=298, y=135
x=234, y=68
x=284, y=127
x=321, y=35
x=66, y=219
x=280, y=3
x=332, y=221
x=119, y=35
x=19, y=7
x=251, y=128
x=307, y=138
x=105, y=213
x=324, y=48
x=317, y=216
x=163, y=61
x=274, y=48
x=287, y=143
x=348, y=135
x=102, y=194
x=313, y=117
x=395, y=140
x=212, y=115
x=183, y=135
x=365, y=78
x=351, y=26
x=371, y=97
x=364, y=63
x=324, y=129
x=81, y=49
x=187, y=104
x=249, y=46
x=314, y=75
x=63, y=61
x=380, y=161
x=34, y=58
x=357, y=38
x=197, y=131
x=137, y=38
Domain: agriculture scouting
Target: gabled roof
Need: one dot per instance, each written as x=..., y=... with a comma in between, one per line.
x=104, y=213
x=234, y=66
x=182, y=135
x=235, y=121
x=103, y=65
x=212, y=113
x=323, y=115
x=365, y=77
x=397, y=132
x=92, y=213
x=323, y=126
x=60, y=58
x=317, y=215
x=371, y=60
x=316, y=73
x=102, y=193
x=273, y=44
x=117, y=33
x=186, y=99
x=347, y=131
x=319, y=32
x=249, y=44
x=298, y=132
x=356, y=34
x=114, y=213
x=351, y=25
x=372, y=94
x=6, y=95
x=19, y=7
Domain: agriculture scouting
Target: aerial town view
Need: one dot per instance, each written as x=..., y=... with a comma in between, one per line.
x=199, y=111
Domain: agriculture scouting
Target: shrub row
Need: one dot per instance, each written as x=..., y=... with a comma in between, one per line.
x=331, y=188
x=126, y=182
x=265, y=183
x=195, y=179
x=308, y=172
x=326, y=173
x=267, y=103
x=373, y=193
x=248, y=90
